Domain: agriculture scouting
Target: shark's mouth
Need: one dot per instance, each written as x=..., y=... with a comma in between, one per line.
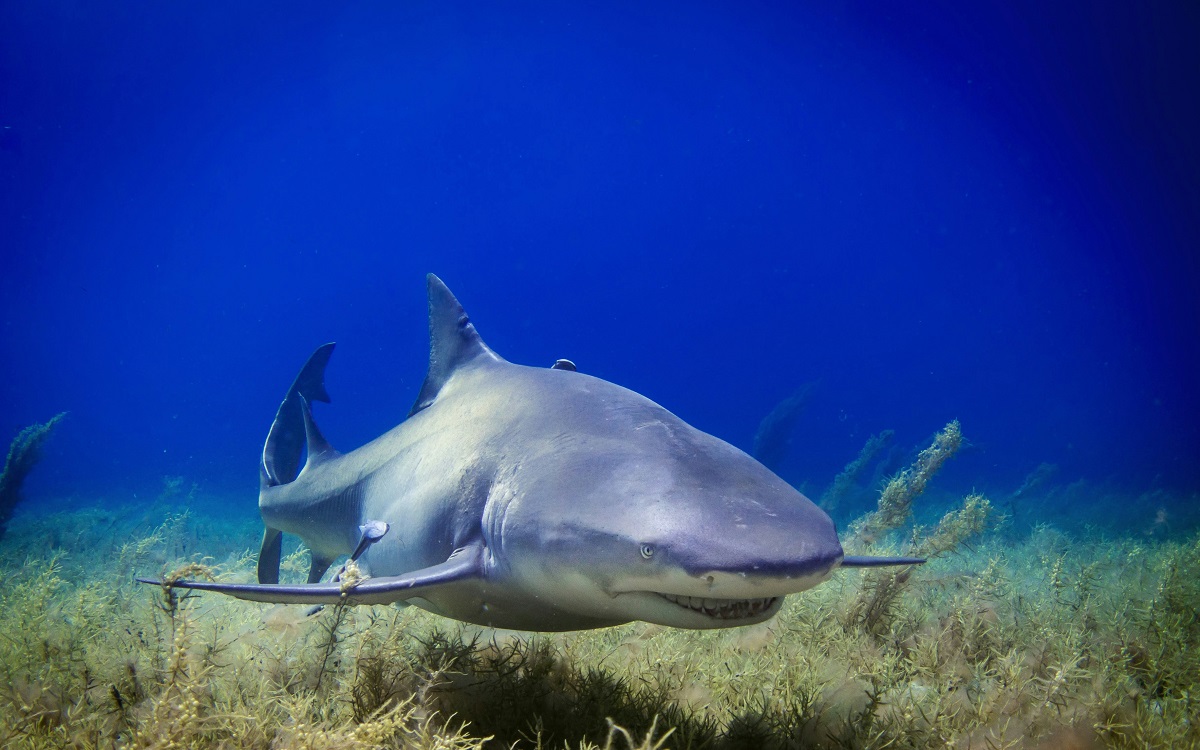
x=723, y=609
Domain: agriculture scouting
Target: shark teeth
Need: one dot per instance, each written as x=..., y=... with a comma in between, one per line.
x=724, y=609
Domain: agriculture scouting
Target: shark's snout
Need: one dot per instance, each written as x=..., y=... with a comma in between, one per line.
x=737, y=568
x=777, y=543
x=721, y=582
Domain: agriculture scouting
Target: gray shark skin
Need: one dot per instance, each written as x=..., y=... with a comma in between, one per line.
x=537, y=499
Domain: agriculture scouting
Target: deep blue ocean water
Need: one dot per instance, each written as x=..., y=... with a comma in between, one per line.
x=982, y=211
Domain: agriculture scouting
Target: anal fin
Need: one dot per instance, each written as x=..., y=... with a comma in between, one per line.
x=317, y=567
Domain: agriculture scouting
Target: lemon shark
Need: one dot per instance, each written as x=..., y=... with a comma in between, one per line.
x=533, y=498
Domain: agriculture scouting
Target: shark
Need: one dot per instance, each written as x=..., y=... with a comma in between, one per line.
x=532, y=498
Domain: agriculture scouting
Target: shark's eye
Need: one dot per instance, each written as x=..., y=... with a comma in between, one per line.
x=647, y=551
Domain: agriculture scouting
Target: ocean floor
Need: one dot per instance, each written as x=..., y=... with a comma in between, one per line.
x=1035, y=639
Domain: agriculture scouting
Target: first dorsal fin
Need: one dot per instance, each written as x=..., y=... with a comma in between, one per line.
x=453, y=342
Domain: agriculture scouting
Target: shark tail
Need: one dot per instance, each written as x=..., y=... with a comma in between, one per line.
x=289, y=435
x=286, y=440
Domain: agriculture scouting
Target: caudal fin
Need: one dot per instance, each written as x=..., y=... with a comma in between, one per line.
x=285, y=447
x=287, y=438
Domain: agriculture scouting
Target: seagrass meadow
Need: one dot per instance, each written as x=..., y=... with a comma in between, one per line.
x=1037, y=639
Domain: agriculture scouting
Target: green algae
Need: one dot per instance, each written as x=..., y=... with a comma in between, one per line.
x=1044, y=640
x=1002, y=645
x=845, y=483
x=23, y=453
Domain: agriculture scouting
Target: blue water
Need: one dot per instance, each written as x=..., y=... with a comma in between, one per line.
x=981, y=211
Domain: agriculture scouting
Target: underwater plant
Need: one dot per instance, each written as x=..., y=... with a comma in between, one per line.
x=895, y=501
x=1001, y=643
x=875, y=605
x=847, y=479
x=23, y=453
x=1043, y=640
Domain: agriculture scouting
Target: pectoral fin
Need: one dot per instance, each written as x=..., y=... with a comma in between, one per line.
x=464, y=564
x=270, y=555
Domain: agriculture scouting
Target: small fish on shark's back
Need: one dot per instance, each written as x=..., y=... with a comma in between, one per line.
x=532, y=498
